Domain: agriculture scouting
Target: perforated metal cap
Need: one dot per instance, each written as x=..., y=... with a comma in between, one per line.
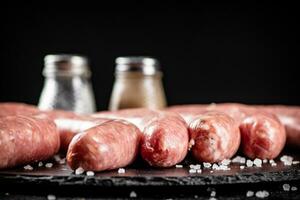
x=66, y=65
x=145, y=65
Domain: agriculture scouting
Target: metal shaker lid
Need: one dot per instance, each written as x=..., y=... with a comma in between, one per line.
x=66, y=65
x=145, y=65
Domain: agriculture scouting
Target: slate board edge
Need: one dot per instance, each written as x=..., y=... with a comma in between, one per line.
x=290, y=175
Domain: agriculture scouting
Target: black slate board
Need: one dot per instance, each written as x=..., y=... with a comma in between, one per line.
x=171, y=182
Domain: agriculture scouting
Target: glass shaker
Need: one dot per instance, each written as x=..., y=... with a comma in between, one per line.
x=137, y=84
x=67, y=85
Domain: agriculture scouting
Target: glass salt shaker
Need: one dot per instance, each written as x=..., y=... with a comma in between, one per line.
x=138, y=84
x=67, y=85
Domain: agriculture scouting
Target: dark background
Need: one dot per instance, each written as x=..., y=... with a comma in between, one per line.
x=208, y=52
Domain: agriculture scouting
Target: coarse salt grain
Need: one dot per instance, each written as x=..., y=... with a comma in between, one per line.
x=28, y=167
x=271, y=161
x=49, y=165
x=265, y=161
x=40, y=164
x=262, y=194
x=212, y=198
x=206, y=165
x=121, y=171
x=213, y=193
x=242, y=167
x=79, y=171
x=295, y=162
x=273, y=164
x=226, y=162
x=215, y=166
x=294, y=188
x=192, y=171
x=238, y=159
x=57, y=158
x=287, y=160
x=132, y=194
x=257, y=162
x=178, y=166
x=249, y=193
x=249, y=163
x=199, y=171
x=286, y=187
x=51, y=197
x=62, y=161
x=90, y=173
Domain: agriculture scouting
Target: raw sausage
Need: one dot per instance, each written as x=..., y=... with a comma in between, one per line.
x=25, y=139
x=267, y=129
x=165, y=135
x=111, y=145
x=263, y=136
x=289, y=116
x=12, y=108
x=214, y=136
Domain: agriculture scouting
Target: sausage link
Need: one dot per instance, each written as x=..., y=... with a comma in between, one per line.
x=263, y=136
x=110, y=145
x=165, y=135
x=214, y=136
x=25, y=139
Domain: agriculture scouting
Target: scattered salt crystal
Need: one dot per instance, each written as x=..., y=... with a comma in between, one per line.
x=6, y=194
x=197, y=166
x=51, y=197
x=211, y=171
x=212, y=198
x=62, y=161
x=199, y=171
x=28, y=167
x=90, y=173
x=271, y=161
x=238, y=159
x=215, y=166
x=262, y=194
x=121, y=171
x=206, y=165
x=295, y=162
x=265, y=161
x=196, y=196
x=250, y=193
x=242, y=167
x=294, y=188
x=49, y=165
x=57, y=158
x=79, y=171
x=192, y=166
x=286, y=187
x=257, y=162
x=178, y=166
x=192, y=171
x=40, y=164
x=132, y=194
x=273, y=164
x=213, y=193
x=226, y=162
x=249, y=163
x=287, y=160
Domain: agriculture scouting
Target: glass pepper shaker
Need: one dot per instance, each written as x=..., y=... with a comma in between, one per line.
x=67, y=85
x=137, y=84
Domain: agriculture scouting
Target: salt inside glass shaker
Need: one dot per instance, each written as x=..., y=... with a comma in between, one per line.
x=138, y=84
x=67, y=85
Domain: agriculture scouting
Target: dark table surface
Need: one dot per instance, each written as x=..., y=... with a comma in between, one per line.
x=140, y=181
